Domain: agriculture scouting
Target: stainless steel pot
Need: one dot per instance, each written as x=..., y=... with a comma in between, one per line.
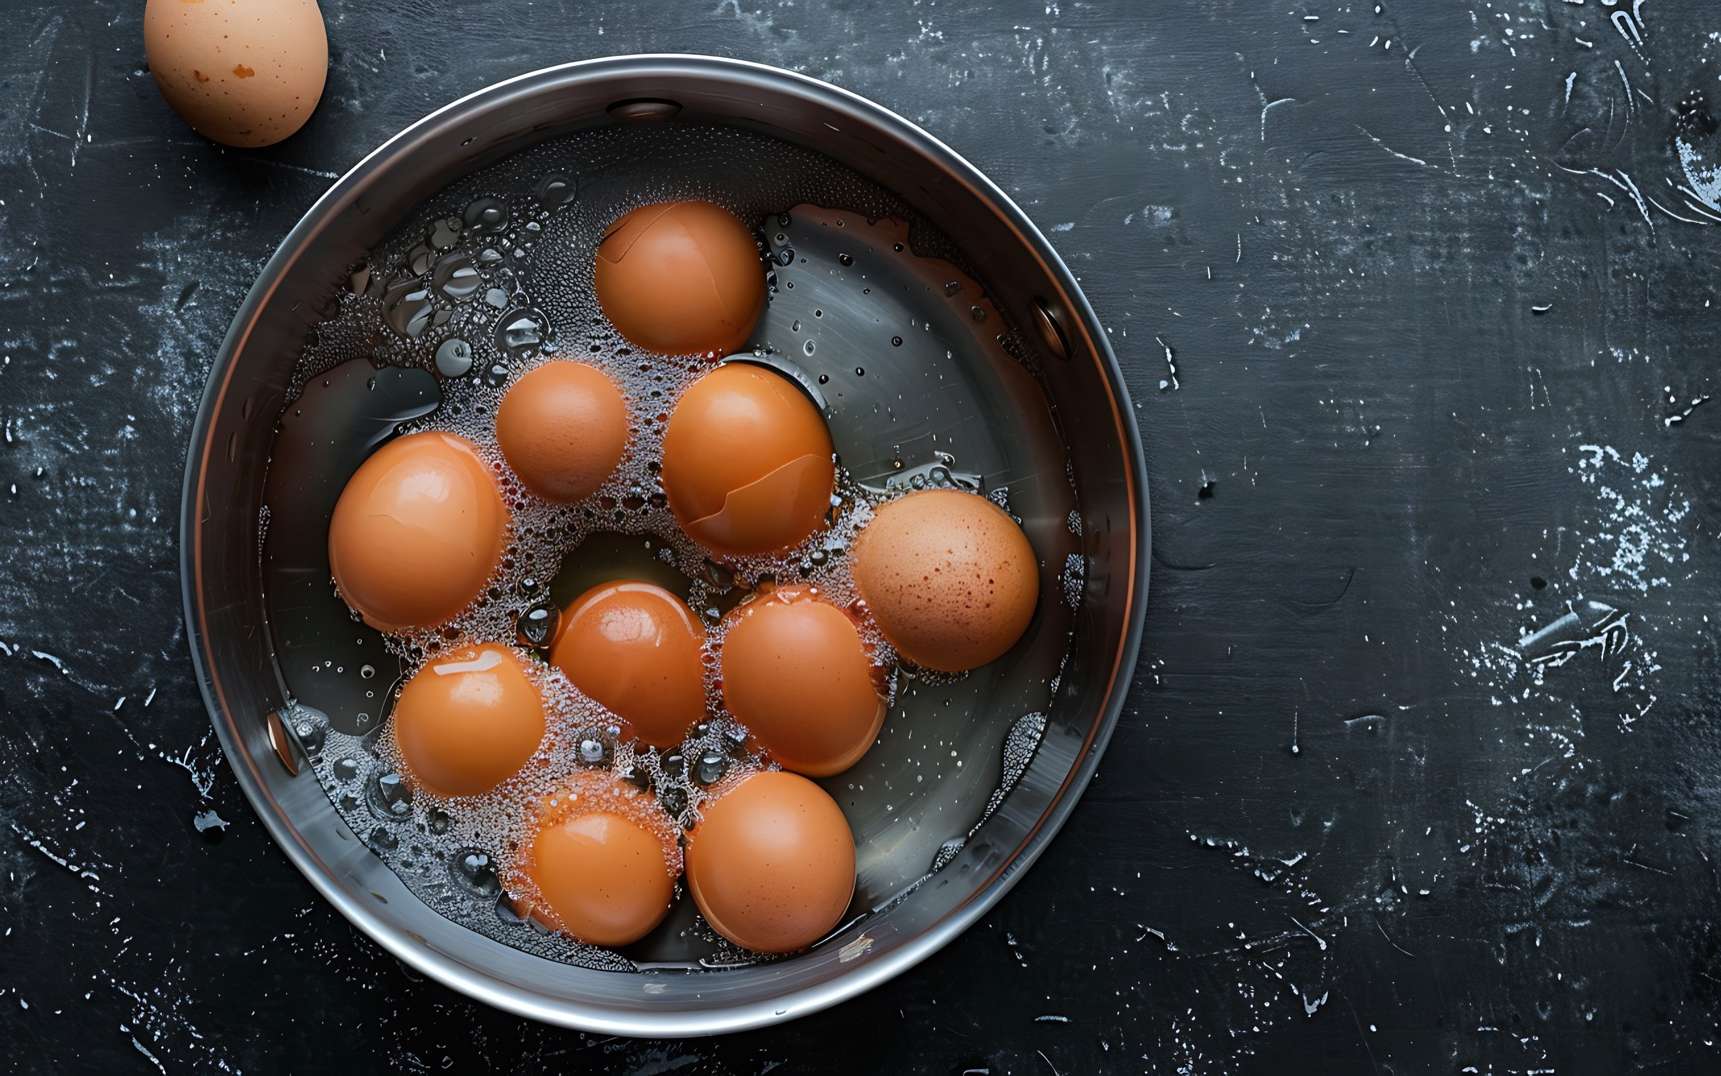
x=230, y=447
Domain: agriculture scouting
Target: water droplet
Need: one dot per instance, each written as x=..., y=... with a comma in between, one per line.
x=390, y=796
x=555, y=191
x=824, y=379
x=407, y=308
x=536, y=627
x=421, y=258
x=456, y=277
x=454, y=358
x=786, y=256
x=367, y=671
x=489, y=256
x=496, y=375
x=444, y=235
x=896, y=341
x=486, y=214
x=496, y=297
x=844, y=259
x=809, y=347
x=710, y=768
x=475, y=872
x=860, y=371
x=520, y=333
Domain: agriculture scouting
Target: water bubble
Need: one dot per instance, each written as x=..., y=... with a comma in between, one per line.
x=359, y=282
x=367, y=671
x=520, y=333
x=486, y=214
x=592, y=751
x=444, y=235
x=383, y=839
x=454, y=358
x=809, y=347
x=555, y=191
x=978, y=313
x=390, y=796
x=346, y=769
x=496, y=297
x=786, y=256
x=439, y=821
x=674, y=765
x=536, y=627
x=860, y=371
x=421, y=258
x=496, y=375
x=896, y=341
x=824, y=379
x=407, y=308
x=456, y=277
x=489, y=256
x=952, y=287
x=710, y=768
x=475, y=872
x=845, y=259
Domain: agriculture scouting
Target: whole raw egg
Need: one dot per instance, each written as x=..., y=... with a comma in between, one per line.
x=468, y=720
x=563, y=428
x=949, y=578
x=240, y=72
x=797, y=673
x=681, y=278
x=602, y=861
x=636, y=649
x=417, y=531
x=747, y=463
x=771, y=863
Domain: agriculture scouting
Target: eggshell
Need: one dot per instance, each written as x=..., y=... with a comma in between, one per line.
x=417, y=531
x=563, y=428
x=602, y=863
x=468, y=720
x=681, y=278
x=241, y=72
x=635, y=648
x=771, y=863
x=797, y=673
x=747, y=462
x=949, y=578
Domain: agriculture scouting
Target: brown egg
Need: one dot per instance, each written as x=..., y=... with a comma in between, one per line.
x=240, y=72
x=602, y=862
x=417, y=531
x=747, y=462
x=634, y=648
x=468, y=720
x=948, y=577
x=797, y=674
x=771, y=863
x=681, y=278
x=563, y=428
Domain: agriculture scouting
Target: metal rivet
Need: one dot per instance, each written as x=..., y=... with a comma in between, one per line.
x=644, y=110
x=1051, y=325
x=282, y=743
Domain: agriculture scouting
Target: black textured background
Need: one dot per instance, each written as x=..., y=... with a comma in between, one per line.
x=1438, y=284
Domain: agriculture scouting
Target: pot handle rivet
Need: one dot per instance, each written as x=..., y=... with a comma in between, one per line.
x=644, y=110
x=1051, y=324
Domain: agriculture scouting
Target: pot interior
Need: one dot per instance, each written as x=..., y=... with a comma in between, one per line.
x=945, y=345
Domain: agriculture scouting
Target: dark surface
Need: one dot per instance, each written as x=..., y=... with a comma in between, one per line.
x=1347, y=823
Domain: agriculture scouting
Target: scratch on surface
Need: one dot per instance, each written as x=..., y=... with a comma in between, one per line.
x=1267, y=107
x=1390, y=150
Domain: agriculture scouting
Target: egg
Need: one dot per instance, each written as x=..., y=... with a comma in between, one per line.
x=796, y=672
x=417, y=531
x=602, y=861
x=681, y=278
x=240, y=72
x=563, y=428
x=948, y=577
x=771, y=863
x=468, y=720
x=637, y=650
x=747, y=463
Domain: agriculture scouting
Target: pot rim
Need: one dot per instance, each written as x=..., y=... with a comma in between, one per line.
x=395, y=152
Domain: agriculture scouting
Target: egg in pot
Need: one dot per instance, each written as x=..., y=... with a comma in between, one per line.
x=563, y=428
x=796, y=672
x=949, y=578
x=417, y=531
x=771, y=863
x=747, y=462
x=241, y=72
x=468, y=720
x=637, y=650
x=681, y=278
x=602, y=861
